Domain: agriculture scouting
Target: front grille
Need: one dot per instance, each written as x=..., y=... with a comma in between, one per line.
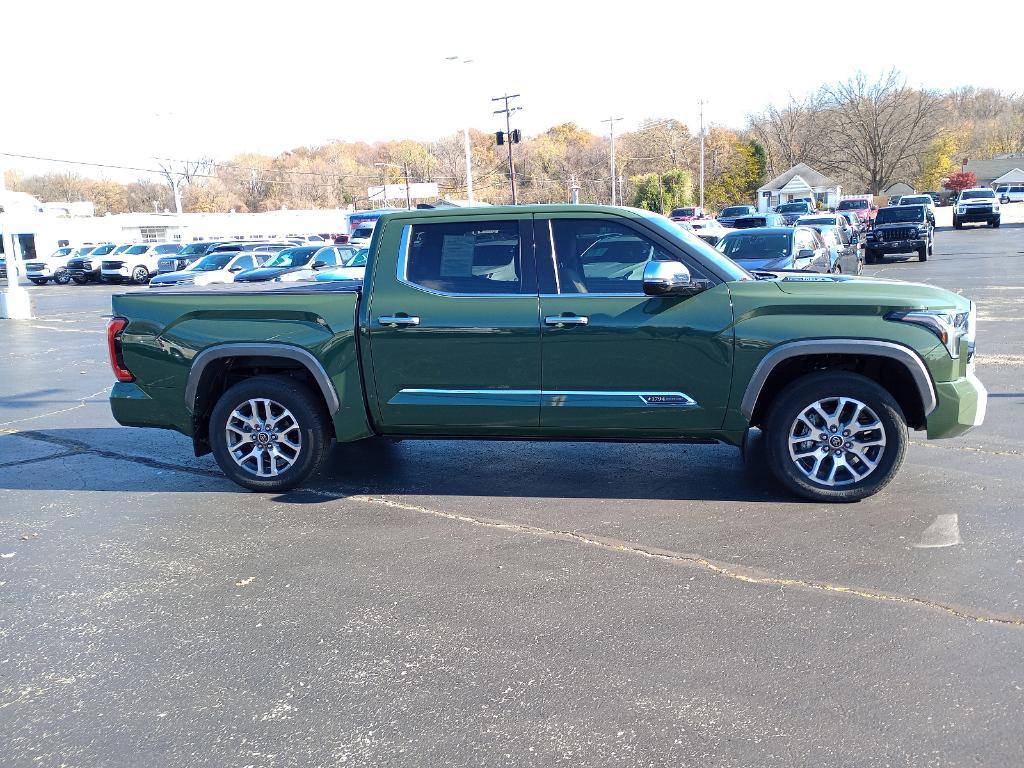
x=982, y=209
x=167, y=265
x=113, y=265
x=898, y=233
x=34, y=266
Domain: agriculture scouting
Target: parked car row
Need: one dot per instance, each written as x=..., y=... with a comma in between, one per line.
x=264, y=263
x=139, y=263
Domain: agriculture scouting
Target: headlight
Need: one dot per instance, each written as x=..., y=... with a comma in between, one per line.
x=961, y=210
x=949, y=327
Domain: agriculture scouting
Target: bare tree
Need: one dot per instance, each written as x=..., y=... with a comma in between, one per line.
x=180, y=173
x=795, y=133
x=878, y=130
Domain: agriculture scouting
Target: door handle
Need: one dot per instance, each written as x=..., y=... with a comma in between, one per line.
x=566, y=320
x=398, y=320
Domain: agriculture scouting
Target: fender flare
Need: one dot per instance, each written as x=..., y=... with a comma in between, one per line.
x=907, y=357
x=286, y=351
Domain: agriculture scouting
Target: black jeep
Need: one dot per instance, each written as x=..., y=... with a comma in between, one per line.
x=900, y=229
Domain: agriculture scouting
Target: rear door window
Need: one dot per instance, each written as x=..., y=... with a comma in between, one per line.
x=477, y=257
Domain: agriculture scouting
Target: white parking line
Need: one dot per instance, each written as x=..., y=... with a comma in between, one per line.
x=944, y=532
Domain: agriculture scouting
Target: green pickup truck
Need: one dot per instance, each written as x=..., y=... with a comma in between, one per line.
x=551, y=322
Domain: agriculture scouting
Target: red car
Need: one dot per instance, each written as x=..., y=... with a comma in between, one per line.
x=862, y=207
x=687, y=214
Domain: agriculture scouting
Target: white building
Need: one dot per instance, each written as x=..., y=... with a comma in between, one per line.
x=41, y=228
x=798, y=182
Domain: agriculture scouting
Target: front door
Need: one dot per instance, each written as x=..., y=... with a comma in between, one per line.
x=453, y=326
x=617, y=362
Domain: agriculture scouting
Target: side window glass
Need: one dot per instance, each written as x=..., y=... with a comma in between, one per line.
x=465, y=257
x=601, y=256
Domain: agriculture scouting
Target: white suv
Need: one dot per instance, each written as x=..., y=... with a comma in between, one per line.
x=53, y=267
x=1012, y=194
x=137, y=263
x=978, y=204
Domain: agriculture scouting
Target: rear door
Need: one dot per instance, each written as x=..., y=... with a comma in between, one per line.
x=617, y=362
x=453, y=326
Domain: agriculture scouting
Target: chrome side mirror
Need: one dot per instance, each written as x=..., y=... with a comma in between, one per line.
x=669, y=278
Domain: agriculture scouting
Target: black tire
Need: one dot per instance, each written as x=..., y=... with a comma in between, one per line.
x=38, y=280
x=996, y=223
x=870, y=258
x=826, y=386
x=63, y=277
x=922, y=253
x=80, y=280
x=140, y=275
x=310, y=417
x=957, y=224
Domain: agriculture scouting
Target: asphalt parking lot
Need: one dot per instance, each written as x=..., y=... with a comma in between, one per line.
x=473, y=603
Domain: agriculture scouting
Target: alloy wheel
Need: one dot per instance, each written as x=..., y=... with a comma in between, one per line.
x=263, y=437
x=836, y=441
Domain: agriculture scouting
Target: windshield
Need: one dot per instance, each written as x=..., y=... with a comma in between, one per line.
x=212, y=263
x=193, y=248
x=683, y=211
x=670, y=229
x=736, y=210
x=907, y=214
x=102, y=250
x=792, y=208
x=977, y=194
x=135, y=250
x=61, y=252
x=755, y=246
x=916, y=200
x=363, y=232
x=852, y=205
x=819, y=220
x=120, y=249
x=359, y=259
x=291, y=257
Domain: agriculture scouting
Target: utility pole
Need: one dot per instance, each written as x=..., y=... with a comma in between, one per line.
x=574, y=191
x=408, y=194
x=701, y=103
x=611, y=127
x=512, y=137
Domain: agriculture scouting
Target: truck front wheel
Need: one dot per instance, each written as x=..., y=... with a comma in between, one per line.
x=269, y=433
x=835, y=436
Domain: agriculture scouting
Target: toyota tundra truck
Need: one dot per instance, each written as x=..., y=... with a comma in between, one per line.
x=569, y=323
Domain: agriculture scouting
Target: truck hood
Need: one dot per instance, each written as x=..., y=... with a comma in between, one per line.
x=888, y=294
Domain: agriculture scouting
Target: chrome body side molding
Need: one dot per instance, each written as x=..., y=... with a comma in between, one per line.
x=548, y=398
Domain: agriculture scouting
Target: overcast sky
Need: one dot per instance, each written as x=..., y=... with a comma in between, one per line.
x=122, y=82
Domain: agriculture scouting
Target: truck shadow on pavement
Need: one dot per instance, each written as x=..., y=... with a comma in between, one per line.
x=143, y=460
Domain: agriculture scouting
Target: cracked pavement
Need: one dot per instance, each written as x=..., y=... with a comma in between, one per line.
x=472, y=603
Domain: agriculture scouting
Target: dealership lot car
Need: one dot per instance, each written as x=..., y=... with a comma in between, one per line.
x=976, y=205
x=786, y=248
x=135, y=264
x=209, y=270
x=900, y=229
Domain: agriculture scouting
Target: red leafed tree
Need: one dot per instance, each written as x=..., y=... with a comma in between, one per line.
x=961, y=180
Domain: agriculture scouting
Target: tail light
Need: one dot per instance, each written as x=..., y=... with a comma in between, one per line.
x=115, y=328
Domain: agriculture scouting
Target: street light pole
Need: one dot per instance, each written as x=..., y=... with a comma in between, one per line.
x=611, y=126
x=701, y=103
x=465, y=140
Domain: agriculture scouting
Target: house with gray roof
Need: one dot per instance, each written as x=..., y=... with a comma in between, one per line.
x=798, y=182
x=1006, y=169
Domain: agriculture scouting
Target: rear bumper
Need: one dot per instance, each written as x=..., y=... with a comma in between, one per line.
x=961, y=406
x=132, y=407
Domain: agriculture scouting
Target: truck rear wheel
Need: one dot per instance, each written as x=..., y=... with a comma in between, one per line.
x=835, y=436
x=269, y=433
